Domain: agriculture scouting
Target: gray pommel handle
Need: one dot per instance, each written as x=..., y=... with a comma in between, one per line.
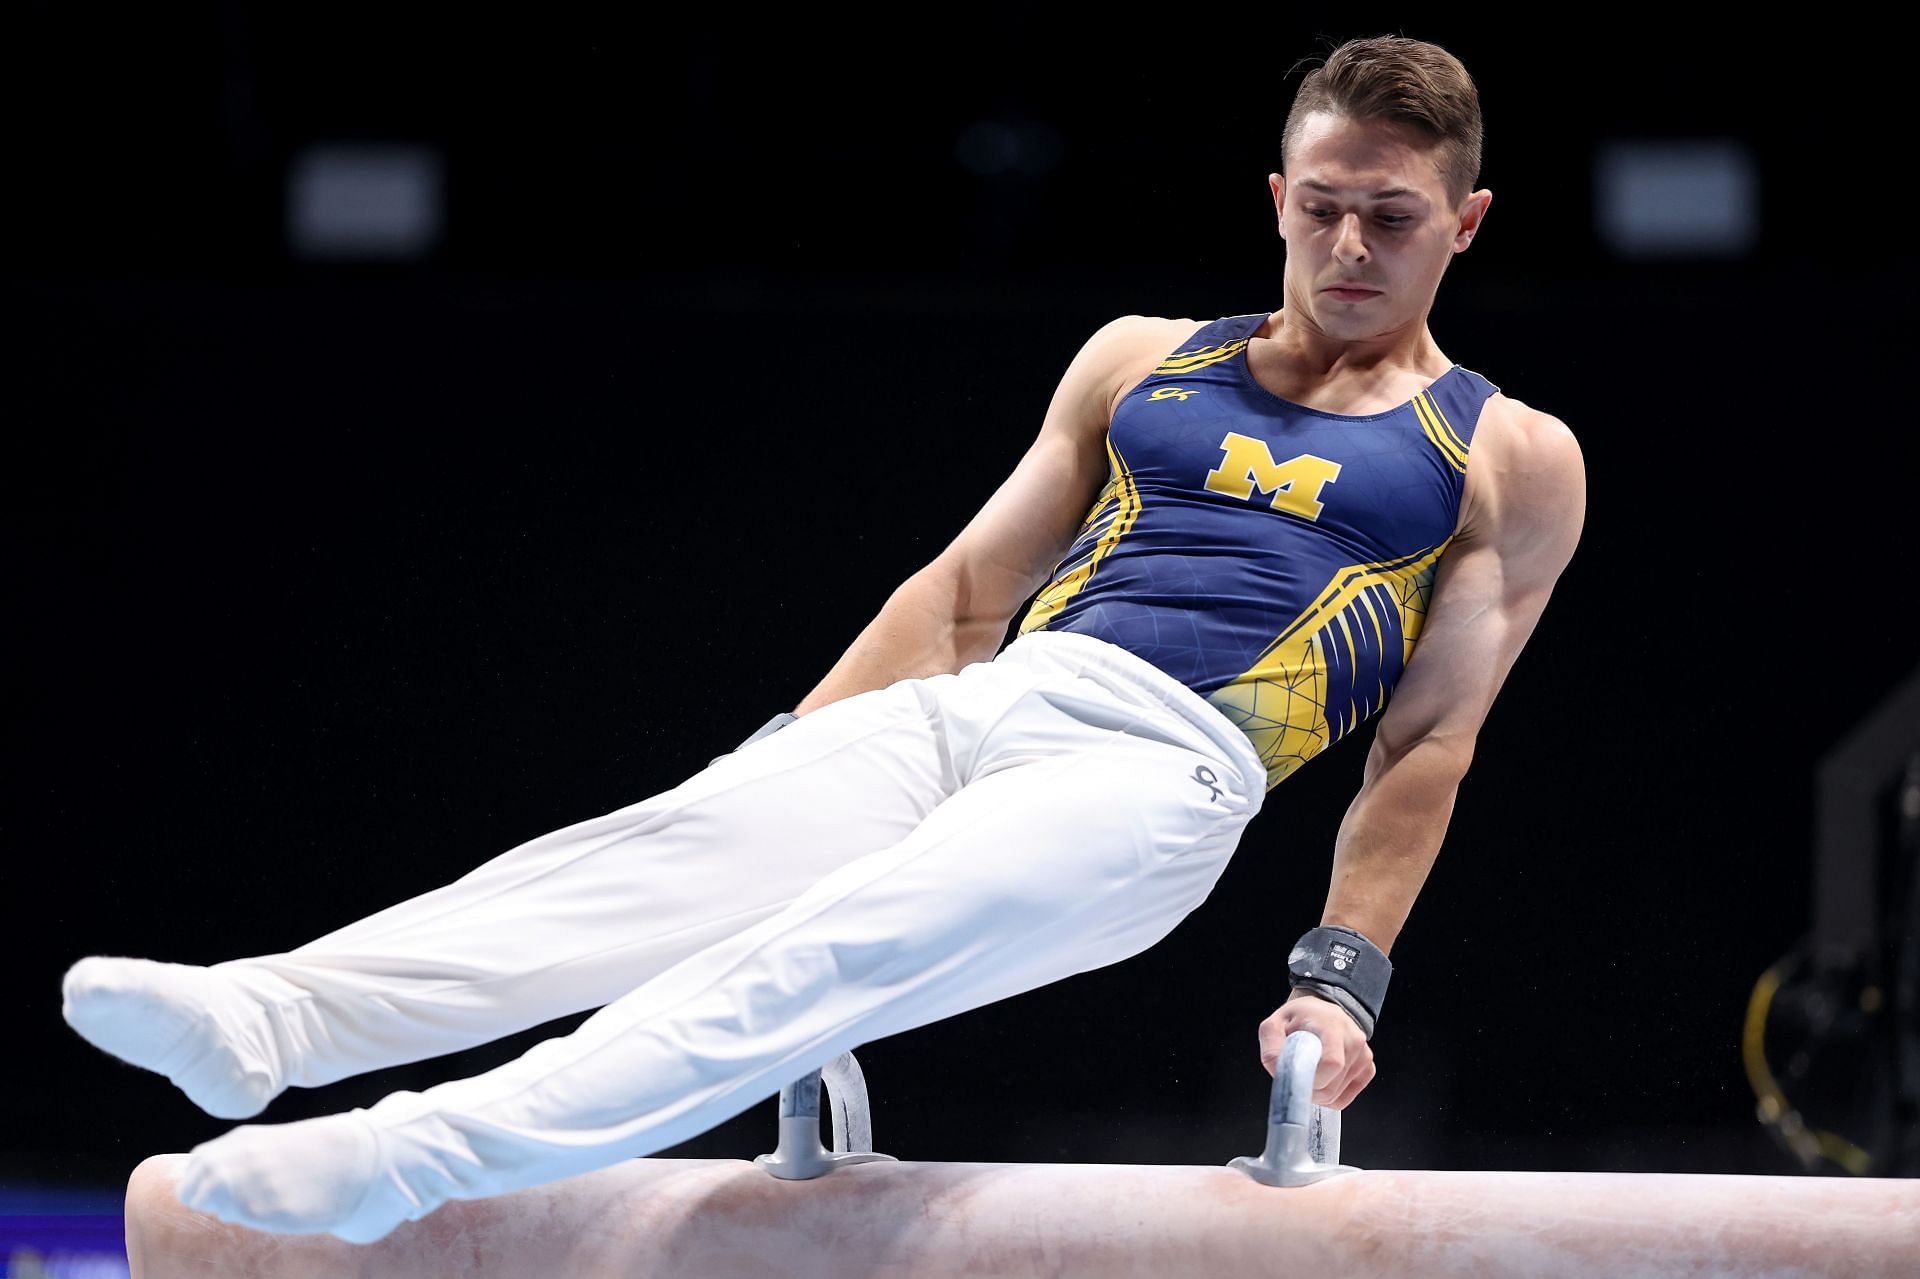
x=799, y=1155
x=1303, y=1140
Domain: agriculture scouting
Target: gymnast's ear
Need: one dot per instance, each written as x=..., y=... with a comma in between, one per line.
x=1472, y=214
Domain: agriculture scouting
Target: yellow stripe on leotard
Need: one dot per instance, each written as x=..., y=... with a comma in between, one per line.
x=1121, y=494
x=1199, y=358
x=1440, y=432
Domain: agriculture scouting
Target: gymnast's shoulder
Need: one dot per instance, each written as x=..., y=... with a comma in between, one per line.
x=1522, y=459
x=1514, y=428
x=1119, y=354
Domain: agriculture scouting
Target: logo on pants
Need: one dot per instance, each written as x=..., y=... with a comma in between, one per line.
x=1205, y=777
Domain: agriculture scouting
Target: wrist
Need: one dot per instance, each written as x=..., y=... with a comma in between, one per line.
x=1339, y=998
x=1340, y=965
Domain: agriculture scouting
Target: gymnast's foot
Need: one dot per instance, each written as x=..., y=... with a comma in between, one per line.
x=307, y=1177
x=206, y=1029
x=361, y=1174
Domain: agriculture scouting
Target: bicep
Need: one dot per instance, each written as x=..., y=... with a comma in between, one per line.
x=1489, y=592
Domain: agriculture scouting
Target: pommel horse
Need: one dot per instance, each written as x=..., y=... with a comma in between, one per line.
x=847, y=1212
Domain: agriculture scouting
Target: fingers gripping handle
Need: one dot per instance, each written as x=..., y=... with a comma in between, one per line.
x=1303, y=1140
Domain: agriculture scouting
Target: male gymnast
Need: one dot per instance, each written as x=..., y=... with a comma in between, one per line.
x=1237, y=530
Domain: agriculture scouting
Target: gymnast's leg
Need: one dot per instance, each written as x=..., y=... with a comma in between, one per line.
x=1075, y=846
x=562, y=923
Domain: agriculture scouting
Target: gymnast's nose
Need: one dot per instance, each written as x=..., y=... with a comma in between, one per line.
x=1347, y=244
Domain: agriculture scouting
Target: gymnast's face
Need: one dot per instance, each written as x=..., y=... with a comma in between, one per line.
x=1338, y=225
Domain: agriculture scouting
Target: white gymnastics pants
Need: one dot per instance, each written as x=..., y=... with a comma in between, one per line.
x=888, y=860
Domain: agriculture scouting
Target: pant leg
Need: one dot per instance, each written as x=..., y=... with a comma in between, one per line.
x=1077, y=841
x=578, y=917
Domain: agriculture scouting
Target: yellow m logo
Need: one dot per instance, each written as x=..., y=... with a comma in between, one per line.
x=1294, y=483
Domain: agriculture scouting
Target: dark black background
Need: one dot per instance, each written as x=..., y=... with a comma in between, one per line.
x=329, y=583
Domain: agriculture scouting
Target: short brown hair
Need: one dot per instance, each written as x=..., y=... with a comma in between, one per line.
x=1405, y=82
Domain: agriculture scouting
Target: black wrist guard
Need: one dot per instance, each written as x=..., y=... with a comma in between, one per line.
x=1340, y=965
x=773, y=725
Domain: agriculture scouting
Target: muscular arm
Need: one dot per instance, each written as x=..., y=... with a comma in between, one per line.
x=1489, y=591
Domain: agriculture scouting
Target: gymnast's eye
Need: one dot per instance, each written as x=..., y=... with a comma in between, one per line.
x=1389, y=219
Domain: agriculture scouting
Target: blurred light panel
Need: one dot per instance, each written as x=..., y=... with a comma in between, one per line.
x=59, y=1232
x=361, y=201
x=1677, y=199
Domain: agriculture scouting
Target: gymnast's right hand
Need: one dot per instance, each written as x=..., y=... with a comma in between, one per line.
x=1346, y=1058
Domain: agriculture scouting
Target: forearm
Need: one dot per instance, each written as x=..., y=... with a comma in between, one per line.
x=1388, y=841
x=918, y=632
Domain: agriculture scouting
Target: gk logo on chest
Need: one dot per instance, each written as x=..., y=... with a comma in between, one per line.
x=1294, y=483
